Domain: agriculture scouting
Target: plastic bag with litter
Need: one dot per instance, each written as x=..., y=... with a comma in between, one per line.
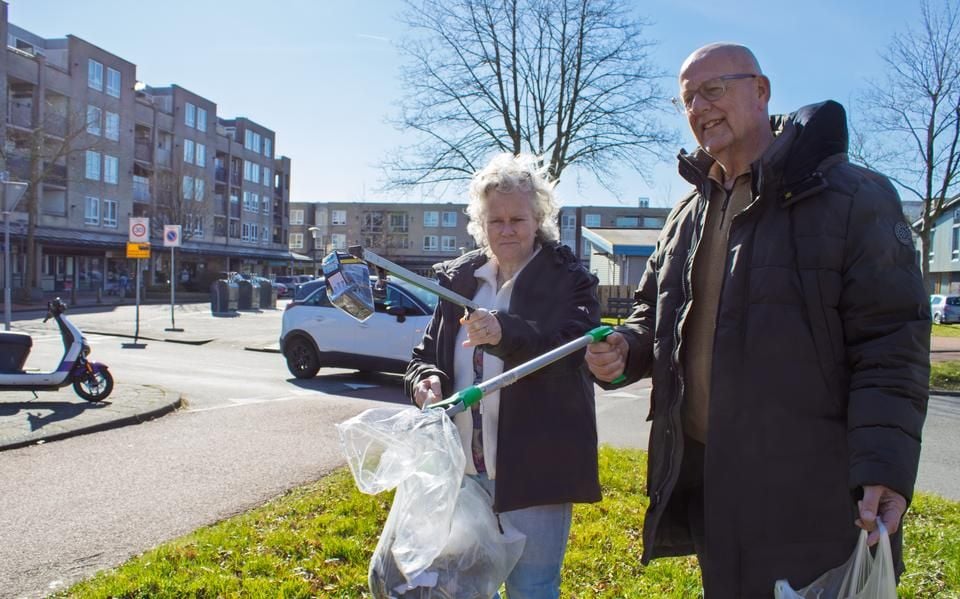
x=864, y=576
x=441, y=539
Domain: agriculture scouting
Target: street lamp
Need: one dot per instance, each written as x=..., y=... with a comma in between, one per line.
x=12, y=192
x=317, y=233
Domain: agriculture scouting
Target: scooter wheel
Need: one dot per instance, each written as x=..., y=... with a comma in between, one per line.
x=95, y=387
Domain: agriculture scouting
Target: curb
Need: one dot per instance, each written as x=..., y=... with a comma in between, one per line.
x=138, y=418
x=944, y=392
x=143, y=338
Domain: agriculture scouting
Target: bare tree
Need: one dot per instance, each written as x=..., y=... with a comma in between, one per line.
x=179, y=201
x=911, y=119
x=38, y=151
x=571, y=81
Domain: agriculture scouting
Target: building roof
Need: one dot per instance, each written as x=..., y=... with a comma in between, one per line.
x=623, y=242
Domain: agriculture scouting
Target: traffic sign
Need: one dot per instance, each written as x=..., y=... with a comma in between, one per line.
x=138, y=250
x=139, y=230
x=171, y=236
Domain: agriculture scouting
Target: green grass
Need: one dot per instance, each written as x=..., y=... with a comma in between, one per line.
x=945, y=375
x=945, y=330
x=316, y=541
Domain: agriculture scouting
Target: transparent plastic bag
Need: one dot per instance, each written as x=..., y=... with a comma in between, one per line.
x=864, y=576
x=440, y=540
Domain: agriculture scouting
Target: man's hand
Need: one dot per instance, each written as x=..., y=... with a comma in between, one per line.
x=607, y=359
x=427, y=391
x=883, y=502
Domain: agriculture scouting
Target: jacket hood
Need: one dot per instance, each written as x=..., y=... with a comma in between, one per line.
x=805, y=139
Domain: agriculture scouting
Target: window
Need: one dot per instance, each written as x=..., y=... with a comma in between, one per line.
x=568, y=221
x=296, y=217
x=449, y=219
x=264, y=234
x=247, y=170
x=256, y=143
x=448, y=243
x=190, y=115
x=338, y=241
x=246, y=201
x=245, y=235
x=266, y=176
x=955, y=243
x=265, y=204
x=94, y=116
x=254, y=202
x=296, y=240
x=94, y=75
x=591, y=220
x=430, y=243
x=113, y=126
x=188, y=150
x=248, y=139
x=431, y=218
x=111, y=168
x=267, y=148
x=627, y=221
x=195, y=224
x=110, y=213
x=255, y=172
x=91, y=211
x=372, y=222
x=93, y=165
x=933, y=235
x=399, y=222
x=338, y=217
x=187, y=187
x=201, y=158
x=201, y=119
x=653, y=222
x=643, y=202
x=198, y=189
x=113, y=82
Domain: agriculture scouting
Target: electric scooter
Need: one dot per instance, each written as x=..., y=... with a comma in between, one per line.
x=91, y=380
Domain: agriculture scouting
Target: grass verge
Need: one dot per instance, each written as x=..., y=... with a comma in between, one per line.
x=316, y=541
x=945, y=330
x=945, y=375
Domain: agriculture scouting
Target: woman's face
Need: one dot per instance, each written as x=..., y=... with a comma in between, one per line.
x=511, y=226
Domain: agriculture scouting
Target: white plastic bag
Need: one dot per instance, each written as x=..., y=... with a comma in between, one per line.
x=440, y=540
x=864, y=576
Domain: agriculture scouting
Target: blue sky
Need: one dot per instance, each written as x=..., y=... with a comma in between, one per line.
x=324, y=73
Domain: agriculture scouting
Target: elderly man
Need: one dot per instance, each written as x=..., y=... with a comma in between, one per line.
x=786, y=327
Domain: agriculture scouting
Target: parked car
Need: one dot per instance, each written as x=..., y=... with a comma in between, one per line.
x=945, y=309
x=302, y=290
x=316, y=334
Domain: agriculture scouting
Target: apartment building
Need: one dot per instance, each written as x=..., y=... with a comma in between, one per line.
x=574, y=218
x=413, y=235
x=97, y=146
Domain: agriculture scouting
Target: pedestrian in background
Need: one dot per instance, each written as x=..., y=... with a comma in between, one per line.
x=785, y=323
x=532, y=445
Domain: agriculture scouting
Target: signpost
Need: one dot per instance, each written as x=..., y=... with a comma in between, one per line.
x=12, y=191
x=171, y=239
x=138, y=247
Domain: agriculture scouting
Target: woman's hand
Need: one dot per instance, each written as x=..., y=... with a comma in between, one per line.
x=483, y=328
x=427, y=391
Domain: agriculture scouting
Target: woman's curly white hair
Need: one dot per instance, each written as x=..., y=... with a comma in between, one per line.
x=508, y=173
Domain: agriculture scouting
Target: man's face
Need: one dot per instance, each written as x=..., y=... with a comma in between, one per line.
x=727, y=127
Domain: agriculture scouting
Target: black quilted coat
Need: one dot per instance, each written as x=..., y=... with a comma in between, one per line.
x=821, y=361
x=547, y=437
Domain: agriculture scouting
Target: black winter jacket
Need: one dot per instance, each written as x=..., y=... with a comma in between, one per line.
x=821, y=361
x=547, y=437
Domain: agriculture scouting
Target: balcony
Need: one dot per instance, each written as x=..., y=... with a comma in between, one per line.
x=220, y=174
x=55, y=175
x=141, y=189
x=163, y=157
x=143, y=151
x=19, y=115
x=235, y=178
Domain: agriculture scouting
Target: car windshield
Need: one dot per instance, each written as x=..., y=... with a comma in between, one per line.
x=427, y=297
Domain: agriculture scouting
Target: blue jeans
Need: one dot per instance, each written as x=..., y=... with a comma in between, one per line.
x=537, y=574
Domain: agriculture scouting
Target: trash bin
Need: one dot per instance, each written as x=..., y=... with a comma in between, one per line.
x=268, y=295
x=223, y=297
x=249, y=298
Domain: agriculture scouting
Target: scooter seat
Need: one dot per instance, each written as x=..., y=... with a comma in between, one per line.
x=14, y=349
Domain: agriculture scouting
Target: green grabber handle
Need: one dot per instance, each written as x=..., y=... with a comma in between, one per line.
x=463, y=399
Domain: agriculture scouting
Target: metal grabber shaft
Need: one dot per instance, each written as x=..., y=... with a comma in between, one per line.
x=463, y=399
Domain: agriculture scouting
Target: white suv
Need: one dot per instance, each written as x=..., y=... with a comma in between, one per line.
x=316, y=333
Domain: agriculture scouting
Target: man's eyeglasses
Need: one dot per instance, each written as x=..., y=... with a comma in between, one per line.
x=710, y=90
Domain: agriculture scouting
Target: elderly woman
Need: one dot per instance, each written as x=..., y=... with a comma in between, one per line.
x=533, y=444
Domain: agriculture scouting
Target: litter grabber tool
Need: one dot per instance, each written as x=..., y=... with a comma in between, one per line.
x=348, y=281
x=463, y=399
